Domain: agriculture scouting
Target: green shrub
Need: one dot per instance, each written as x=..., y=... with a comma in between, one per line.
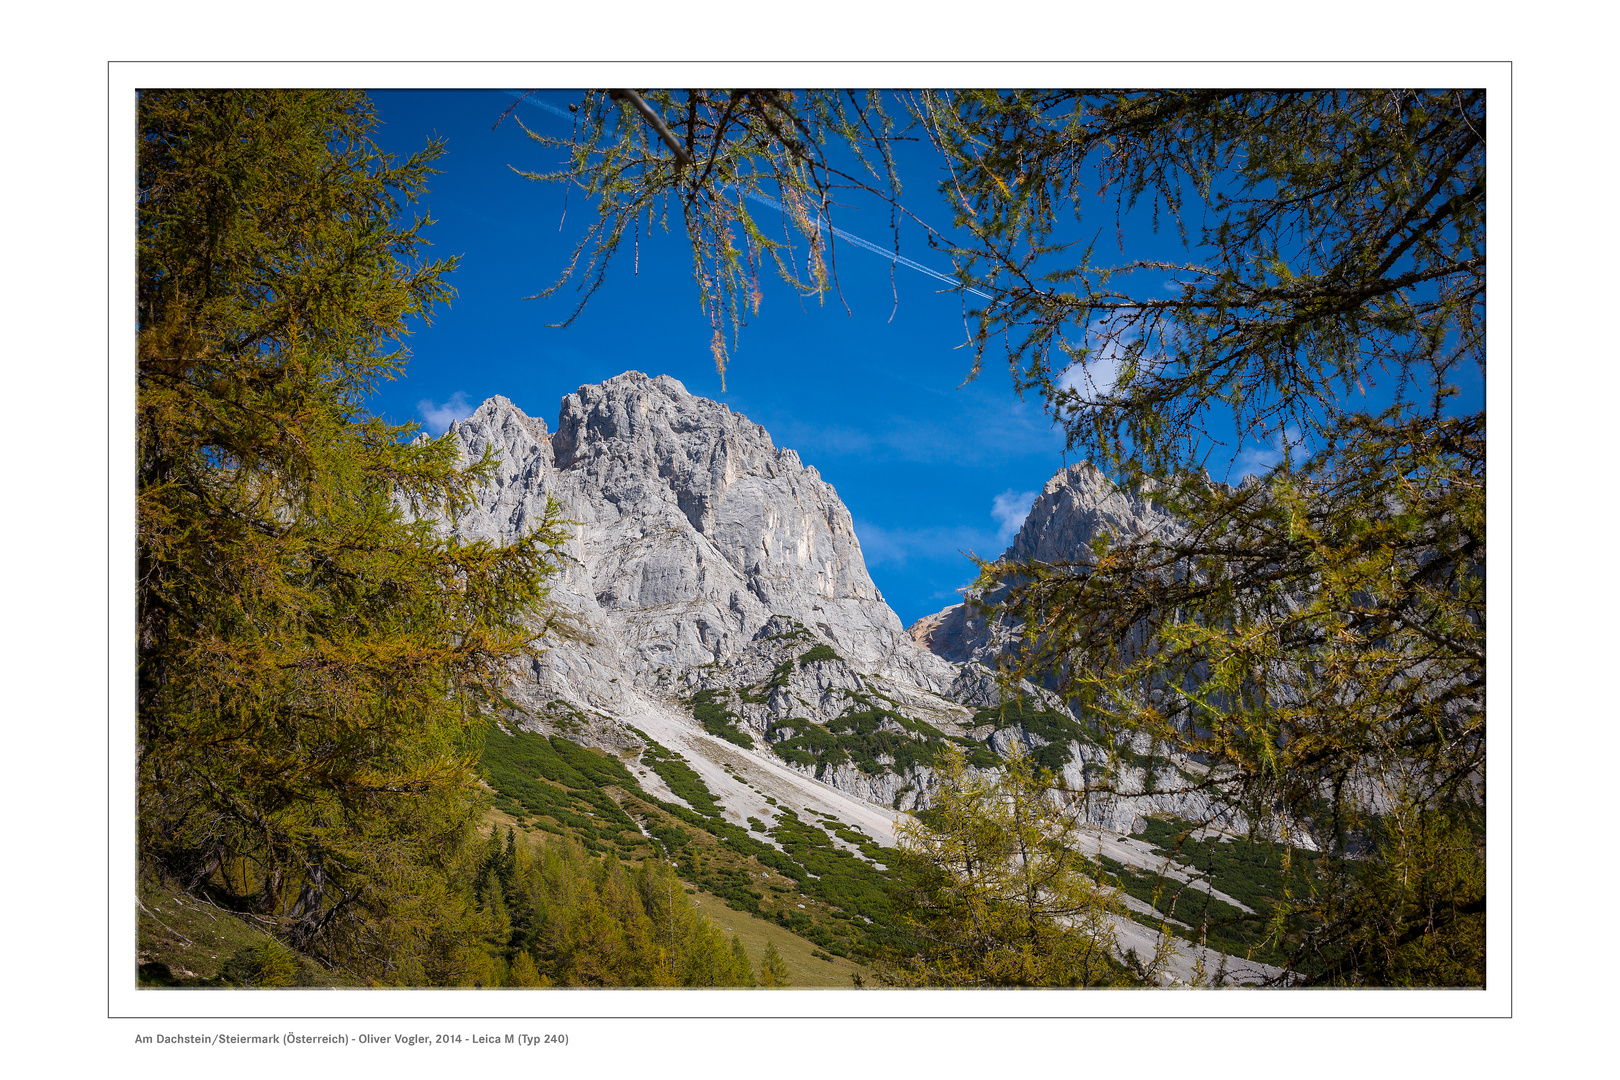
x=819, y=653
x=1056, y=730
x=680, y=777
x=559, y=779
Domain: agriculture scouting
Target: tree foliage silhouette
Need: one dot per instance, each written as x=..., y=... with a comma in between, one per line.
x=314, y=655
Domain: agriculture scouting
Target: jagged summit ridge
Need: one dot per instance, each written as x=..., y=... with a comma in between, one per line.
x=692, y=531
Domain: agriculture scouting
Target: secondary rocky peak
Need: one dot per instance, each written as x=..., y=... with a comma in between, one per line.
x=501, y=424
x=1076, y=505
x=514, y=501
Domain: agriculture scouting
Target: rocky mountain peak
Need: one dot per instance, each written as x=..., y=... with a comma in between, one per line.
x=632, y=431
x=693, y=530
x=1077, y=505
x=514, y=501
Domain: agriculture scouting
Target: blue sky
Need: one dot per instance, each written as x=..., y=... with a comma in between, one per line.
x=867, y=390
x=928, y=468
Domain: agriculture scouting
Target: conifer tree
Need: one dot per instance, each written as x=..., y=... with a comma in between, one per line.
x=1000, y=893
x=742, y=969
x=772, y=968
x=508, y=860
x=314, y=656
x=524, y=972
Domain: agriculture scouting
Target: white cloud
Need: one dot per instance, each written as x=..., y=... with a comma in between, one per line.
x=1256, y=461
x=1259, y=460
x=1010, y=508
x=1097, y=375
x=438, y=418
x=934, y=543
x=1099, y=371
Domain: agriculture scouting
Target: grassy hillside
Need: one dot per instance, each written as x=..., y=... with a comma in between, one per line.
x=590, y=835
x=807, y=964
x=570, y=825
x=812, y=886
x=186, y=942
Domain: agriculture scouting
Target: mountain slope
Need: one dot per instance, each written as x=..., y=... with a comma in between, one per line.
x=731, y=650
x=706, y=563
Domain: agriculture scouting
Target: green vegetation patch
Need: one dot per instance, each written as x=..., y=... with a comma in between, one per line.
x=1055, y=729
x=729, y=866
x=808, y=745
x=673, y=770
x=1059, y=731
x=539, y=778
x=819, y=653
x=847, y=898
x=718, y=720
x=1250, y=871
x=854, y=885
x=799, y=631
x=978, y=754
x=863, y=735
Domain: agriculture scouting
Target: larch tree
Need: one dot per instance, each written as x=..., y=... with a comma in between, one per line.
x=1313, y=640
x=773, y=969
x=315, y=657
x=999, y=889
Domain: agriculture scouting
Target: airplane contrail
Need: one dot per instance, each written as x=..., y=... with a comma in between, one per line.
x=766, y=200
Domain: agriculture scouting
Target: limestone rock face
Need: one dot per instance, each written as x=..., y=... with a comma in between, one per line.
x=717, y=601
x=692, y=531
